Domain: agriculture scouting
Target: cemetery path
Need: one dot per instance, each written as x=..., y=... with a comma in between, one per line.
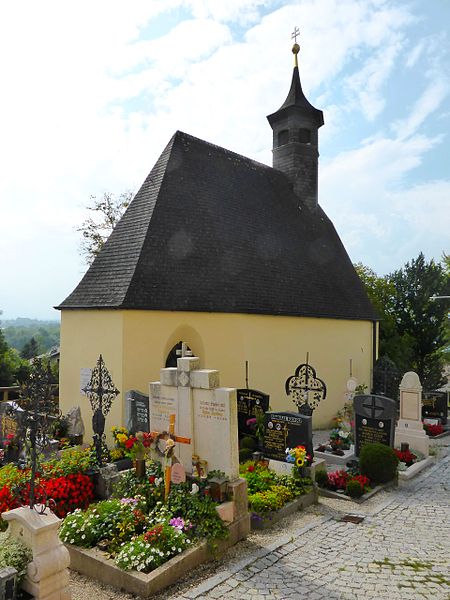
x=400, y=551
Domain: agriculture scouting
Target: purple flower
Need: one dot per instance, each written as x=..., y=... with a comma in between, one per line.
x=177, y=522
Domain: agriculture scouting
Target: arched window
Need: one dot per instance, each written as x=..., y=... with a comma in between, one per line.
x=283, y=137
x=304, y=136
x=171, y=360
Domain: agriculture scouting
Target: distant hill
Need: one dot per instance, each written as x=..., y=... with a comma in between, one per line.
x=19, y=331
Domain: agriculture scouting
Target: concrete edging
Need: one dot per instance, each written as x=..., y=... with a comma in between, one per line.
x=331, y=494
x=415, y=469
x=93, y=563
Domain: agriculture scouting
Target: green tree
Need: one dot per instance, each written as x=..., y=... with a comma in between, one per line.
x=31, y=349
x=105, y=214
x=381, y=291
x=422, y=318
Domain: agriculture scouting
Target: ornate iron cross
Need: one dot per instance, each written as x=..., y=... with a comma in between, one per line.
x=101, y=392
x=295, y=33
x=306, y=389
x=373, y=407
x=37, y=407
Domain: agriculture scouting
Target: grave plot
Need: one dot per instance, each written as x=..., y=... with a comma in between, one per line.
x=185, y=486
x=435, y=414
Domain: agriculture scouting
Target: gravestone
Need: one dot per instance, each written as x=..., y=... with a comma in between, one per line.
x=434, y=406
x=409, y=427
x=205, y=414
x=284, y=430
x=75, y=425
x=250, y=404
x=137, y=411
x=374, y=420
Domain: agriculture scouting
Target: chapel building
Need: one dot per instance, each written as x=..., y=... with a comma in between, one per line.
x=236, y=259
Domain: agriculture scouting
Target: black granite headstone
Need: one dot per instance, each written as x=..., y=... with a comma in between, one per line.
x=286, y=430
x=251, y=403
x=137, y=411
x=374, y=420
x=434, y=406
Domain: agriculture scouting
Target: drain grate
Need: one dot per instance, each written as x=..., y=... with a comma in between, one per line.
x=352, y=519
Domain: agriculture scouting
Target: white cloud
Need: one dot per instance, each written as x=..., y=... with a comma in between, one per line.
x=92, y=92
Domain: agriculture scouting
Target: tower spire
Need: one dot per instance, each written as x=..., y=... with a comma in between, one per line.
x=295, y=128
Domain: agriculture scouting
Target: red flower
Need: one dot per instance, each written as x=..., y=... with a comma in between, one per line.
x=151, y=479
x=251, y=468
x=433, y=430
x=130, y=442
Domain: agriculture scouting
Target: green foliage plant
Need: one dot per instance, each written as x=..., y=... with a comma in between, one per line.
x=354, y=489
x=378, y=462
x=71, y=461
x=13, y=477
x=150, y=488
x=321, y=478
x=13, y=553
x=247, y=442
x=245, y=454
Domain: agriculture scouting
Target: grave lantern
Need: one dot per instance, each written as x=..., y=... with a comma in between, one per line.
x=218, y=488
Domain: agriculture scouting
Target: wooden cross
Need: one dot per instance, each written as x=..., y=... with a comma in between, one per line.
x=295, y=33
x=168, y=468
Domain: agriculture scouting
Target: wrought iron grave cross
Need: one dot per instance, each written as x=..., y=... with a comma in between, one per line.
x=295, y=33
x=101, y=391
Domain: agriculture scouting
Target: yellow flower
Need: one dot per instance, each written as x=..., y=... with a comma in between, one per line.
x=121, y=438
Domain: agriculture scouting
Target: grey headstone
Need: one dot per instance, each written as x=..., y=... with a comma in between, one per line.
x=137, y=411
x=108, y=476
x=75, y=422
x=8, y=583
x=374, y=420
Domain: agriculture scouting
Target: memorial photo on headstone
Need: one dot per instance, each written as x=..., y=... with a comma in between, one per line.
x=374, y=420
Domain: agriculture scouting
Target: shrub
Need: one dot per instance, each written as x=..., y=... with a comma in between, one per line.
x=248, y=442
x=354, y=489
x=245, y=454
x=70, y=462
x=14, y=554
x=322, y=478
x=378, y=462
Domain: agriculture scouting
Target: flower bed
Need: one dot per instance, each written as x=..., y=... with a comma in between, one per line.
x=137, y=529
x=343, y=483
x=63, y=481
x=411, y=463
x=269, y=492
x=435, y=431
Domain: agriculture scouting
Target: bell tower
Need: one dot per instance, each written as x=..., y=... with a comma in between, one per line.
x=295, y=128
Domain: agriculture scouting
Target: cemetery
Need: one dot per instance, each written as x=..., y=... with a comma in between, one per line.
x=144, y=506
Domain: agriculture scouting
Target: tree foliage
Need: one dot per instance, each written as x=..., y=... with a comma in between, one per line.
x=413, y=327
x=18, y=332
x=30, y=349
x=105, y=214
x=10, y=363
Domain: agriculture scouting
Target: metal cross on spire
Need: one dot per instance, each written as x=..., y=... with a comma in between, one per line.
x=294, y=34
x=295, y=47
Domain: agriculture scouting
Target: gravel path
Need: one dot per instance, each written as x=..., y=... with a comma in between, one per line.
x=340, y=556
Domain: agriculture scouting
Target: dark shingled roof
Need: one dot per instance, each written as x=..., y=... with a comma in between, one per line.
x=214, y=231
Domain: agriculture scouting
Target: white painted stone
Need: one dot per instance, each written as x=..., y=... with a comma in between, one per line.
x=47, y=575
x=409, y=427
x=215, y=429
x=188, y=363
x=205, y=378
x=168, y=376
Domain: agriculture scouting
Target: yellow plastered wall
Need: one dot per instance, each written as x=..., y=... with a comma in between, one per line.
x=135, y=345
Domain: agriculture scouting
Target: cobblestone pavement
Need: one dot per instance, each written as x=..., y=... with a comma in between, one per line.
x=400, y=551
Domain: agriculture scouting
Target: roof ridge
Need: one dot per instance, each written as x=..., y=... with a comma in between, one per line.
x=222, y=149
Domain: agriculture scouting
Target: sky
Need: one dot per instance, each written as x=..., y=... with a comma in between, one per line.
x=93, y=91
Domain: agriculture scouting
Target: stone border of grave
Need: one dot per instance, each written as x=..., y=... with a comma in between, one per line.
x=445, y=433
x=415, y=469
x=93, y=563
x=288, y=509
x=334, y=459
x=331, y=494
